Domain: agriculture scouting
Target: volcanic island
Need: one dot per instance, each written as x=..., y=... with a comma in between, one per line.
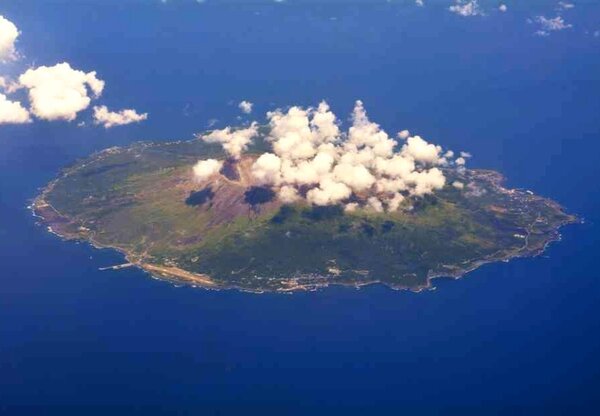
x=228, y=231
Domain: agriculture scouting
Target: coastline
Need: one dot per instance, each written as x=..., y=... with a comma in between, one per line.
x=178, y=275
x=59, y=224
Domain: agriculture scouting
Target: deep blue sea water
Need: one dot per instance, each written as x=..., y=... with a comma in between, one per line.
x=512, y=338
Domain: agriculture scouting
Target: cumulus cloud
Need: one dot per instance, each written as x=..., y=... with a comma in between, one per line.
x=312, y=159
x=204, y=169
x=8, y=37
x=466, y=8
x=108, y=119
x=267, y=169
x=246, y=107
x=421, y=151
x=234, y=141
x=548, y=25
x=59, y=92
x=288, y=194
x=329, y=192
x=295, y=137
x=403, y=134
x=12, y=112
x=56, y=92
x=426, y=181
x=503, y=8
x=420, y=3
x=357, y=177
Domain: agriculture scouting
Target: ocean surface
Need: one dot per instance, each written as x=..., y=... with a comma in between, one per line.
x=521, y=337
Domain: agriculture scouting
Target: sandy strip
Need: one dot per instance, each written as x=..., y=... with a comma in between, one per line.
x=180, y=274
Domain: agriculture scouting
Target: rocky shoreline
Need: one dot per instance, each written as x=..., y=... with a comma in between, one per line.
x=55, y=221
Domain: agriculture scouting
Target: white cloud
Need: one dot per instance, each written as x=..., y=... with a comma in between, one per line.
x=329, y=192
x=548, y=25
x=109, y=119
x=324, y=123
x=56, y=92
x=267, y=169
x=234, y=141
x=8, y=37
x=366, y=140
x=204, y=169
x=375, y=204
x=12, y=112
x=301, y=134
x=403, y=134
x=466, y=8
x=246, y=107
x=426, y=181
x=291, y=134
x=503, y=8
x=394, y=203
x=288, y=194
x=60, y=92
x=563, y=5
x=421, y=151
x=357, y=177
x=312, y=159
x=351, y=206
x=420, y=3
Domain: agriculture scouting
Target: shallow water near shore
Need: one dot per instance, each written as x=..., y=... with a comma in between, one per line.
x=519, y=337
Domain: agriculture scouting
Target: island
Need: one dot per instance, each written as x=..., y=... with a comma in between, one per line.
x=231, y=232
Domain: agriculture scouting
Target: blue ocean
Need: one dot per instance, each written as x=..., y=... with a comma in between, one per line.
x=521, y=337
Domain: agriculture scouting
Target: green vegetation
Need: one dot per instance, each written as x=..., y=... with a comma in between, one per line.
x=143, y=200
